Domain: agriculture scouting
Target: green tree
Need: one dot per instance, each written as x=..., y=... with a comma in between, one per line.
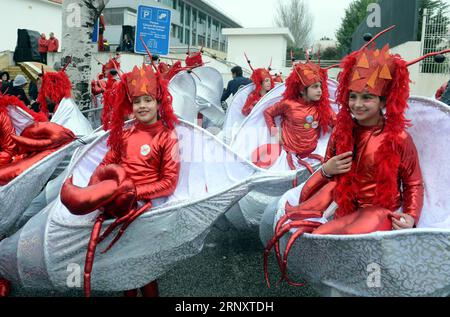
x=355, y=14
x=330, y=53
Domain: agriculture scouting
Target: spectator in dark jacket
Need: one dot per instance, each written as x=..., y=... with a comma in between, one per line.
x=236, y=83
x=17, y=89
x=5, y=83
x=33, y=92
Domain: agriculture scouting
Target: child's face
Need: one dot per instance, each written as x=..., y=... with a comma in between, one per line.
x=366, y=108
x=4, y=77
x=267, y=84
x=145, y=109
x=313, y=92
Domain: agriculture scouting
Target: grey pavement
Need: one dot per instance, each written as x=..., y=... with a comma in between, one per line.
x=230, y=265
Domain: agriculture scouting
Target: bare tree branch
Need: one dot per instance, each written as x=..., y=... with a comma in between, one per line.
x=295, y=15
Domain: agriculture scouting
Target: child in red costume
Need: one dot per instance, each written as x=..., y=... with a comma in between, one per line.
x=263, y=84
x=143, y=161
x=305, y=112
x=55, y=87
x=372, y=168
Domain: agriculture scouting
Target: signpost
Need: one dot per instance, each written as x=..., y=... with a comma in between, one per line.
x=153, y=24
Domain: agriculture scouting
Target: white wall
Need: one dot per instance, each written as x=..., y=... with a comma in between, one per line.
x=422, y=84
x=259, y=49
x=36, y=15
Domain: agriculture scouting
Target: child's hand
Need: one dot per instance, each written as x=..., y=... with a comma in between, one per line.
x=404, y=222
x=339, y=164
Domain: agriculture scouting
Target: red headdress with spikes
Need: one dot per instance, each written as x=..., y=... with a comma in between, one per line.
x=195, y=59
x=381, y=74
x=55, y=86
x=258, y=77
x=113, y=63
x=140, y=82
x=303, y=76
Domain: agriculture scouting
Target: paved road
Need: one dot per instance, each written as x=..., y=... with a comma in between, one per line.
x=230, y=265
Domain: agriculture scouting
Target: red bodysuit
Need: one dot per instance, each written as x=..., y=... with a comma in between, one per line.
x=7, y=145
x=410, y=191
x=150, y=158
x=299, y=123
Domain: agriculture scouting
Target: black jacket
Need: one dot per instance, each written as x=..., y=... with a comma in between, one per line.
x=19, y=93
x=234, y=85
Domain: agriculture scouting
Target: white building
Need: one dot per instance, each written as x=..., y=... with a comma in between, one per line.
x=43, y=16
x=260, y=45
x=194, y=22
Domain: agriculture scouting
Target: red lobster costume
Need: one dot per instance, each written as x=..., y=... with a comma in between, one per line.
x=258, y=77
x=385, y=173
x=55, y=87
x=18, y=153
x=141, y=165
x=301, y=122
x=104, y=89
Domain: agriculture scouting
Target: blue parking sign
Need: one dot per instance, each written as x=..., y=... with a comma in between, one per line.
x=153, y=24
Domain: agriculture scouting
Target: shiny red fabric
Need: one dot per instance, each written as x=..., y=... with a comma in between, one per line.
x=299, y=135
x=109, y=190
x=98, y=87
x=364, y=221
x=36, y=142
x=410, y=189
x=42, y=136
x=12, y=170
x=7, y=144
x=150, y=158
x=5, y=287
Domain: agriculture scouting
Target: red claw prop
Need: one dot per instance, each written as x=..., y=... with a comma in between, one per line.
x=37, y=141
x=42, y=136
x=317, y=196
x=11, y=171
x=110, y=191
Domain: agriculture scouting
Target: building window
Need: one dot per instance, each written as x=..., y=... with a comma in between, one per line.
x=202, y=23
x=180, y=34
x=173, y=30
x=194, y=19
x=114, y=16
x=215, y=45
x=174, y=4
x=187, y=20
x=194, y=38
x=181, y=13
x=201, y=41
x=187, y=36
